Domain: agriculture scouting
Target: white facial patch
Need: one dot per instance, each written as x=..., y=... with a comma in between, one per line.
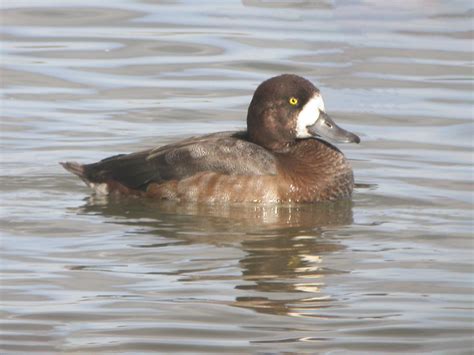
x=309, y=115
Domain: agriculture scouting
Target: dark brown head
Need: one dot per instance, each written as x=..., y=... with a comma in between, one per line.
x=289, y=107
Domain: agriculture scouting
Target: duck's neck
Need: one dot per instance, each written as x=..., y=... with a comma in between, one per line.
x=315, y=170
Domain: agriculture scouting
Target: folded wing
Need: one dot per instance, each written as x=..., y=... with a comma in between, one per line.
x=226, y=153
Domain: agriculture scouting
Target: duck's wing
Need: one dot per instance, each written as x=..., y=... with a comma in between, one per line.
x=225, y=152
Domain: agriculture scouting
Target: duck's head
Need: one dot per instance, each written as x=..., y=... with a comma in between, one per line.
x=288, y=107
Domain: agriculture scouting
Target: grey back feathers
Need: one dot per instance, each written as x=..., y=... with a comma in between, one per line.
x=224, y=152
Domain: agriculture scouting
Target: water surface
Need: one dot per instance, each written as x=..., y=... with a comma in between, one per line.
x=390, y=271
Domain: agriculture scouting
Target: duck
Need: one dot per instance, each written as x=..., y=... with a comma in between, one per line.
x=284, y=156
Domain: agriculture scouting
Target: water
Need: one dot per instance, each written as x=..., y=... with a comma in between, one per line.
x=389, y=272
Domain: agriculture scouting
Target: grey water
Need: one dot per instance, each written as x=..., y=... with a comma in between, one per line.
x=390, y=271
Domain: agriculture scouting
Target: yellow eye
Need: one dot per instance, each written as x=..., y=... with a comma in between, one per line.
x=293, y=101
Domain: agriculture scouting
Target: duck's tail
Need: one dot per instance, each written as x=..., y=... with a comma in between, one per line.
x=73, y=167
x=76, y=169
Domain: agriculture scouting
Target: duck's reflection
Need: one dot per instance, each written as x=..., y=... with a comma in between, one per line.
x=285, y=273
x=283, y=268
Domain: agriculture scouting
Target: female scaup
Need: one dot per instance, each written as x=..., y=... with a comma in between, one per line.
x=280, y=158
